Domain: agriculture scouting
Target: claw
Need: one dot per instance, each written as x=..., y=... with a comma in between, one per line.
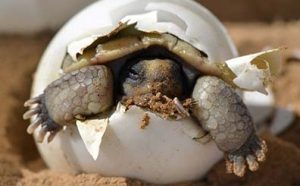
x=32, y=101
x=31, y=112
x=51, y=136
x=204, y=139
x=41, y=134
x=34, y=125
x=252, y=152
x=229, y=167
x=41, y=118
x=252, y=163
x=261, y=153
x=56, y=107
x=264, y=146
x=239, y=167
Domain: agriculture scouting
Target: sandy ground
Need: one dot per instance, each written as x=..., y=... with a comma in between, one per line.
x=20, y=163
x=253, y=10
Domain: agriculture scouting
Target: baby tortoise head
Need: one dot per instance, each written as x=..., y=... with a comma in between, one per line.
x=133, y=63
x=153, y=76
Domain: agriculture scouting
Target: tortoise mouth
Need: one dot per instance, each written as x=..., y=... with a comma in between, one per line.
x=154, y=80
x=165, y=107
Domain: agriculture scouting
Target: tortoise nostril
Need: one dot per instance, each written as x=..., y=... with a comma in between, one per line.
x=133, y=74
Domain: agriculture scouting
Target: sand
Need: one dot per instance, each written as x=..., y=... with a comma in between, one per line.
x=20, y=163
x=254, y=10
x=161, y=104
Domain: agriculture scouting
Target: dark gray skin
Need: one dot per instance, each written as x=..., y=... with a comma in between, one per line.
x=89, y=91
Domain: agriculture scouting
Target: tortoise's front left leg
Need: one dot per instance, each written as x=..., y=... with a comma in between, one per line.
x=223, y=114
x=75, y=95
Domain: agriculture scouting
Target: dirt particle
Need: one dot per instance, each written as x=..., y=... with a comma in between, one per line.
x=145, y=121
x=167, y=108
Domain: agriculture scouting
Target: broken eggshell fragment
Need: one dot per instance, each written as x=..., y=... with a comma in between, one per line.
x=163, y=152
x=253, y=72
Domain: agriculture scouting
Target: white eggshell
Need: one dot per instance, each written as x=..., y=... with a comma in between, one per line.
x=163, y=152
x=160, y=153
x=284, y=117
x=253, y=72
x=260, y=106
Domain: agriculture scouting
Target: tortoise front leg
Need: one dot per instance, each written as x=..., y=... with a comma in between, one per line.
x=75, y=95
x=223, y=114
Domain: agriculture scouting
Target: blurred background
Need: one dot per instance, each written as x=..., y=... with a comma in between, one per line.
x=29, y=16
x=26, y=28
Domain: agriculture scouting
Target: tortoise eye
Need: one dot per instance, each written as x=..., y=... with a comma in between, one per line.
x=134, y=75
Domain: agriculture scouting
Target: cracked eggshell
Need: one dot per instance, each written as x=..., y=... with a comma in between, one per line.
x=254, y=71
x=164, y=152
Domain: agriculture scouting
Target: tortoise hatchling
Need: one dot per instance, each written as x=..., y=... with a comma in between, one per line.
x=158, y=72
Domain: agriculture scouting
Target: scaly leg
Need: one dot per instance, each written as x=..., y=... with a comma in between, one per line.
x=223, y=114
x=75, y=95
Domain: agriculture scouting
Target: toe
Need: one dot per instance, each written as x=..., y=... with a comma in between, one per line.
x=260, y=150
x=229, y=167
x=264, y=146
x=40, y=117
x=51, y=136
x=41, y=134
x=31, y=112
x=261, y=155
x=251, y=153
x=204, y=139
x=32, y=101
x=31, y=128
x=252, y=163
x=239, y=167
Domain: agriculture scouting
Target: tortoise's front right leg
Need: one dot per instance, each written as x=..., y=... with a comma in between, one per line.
x=223, y=114
x=75, y=95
